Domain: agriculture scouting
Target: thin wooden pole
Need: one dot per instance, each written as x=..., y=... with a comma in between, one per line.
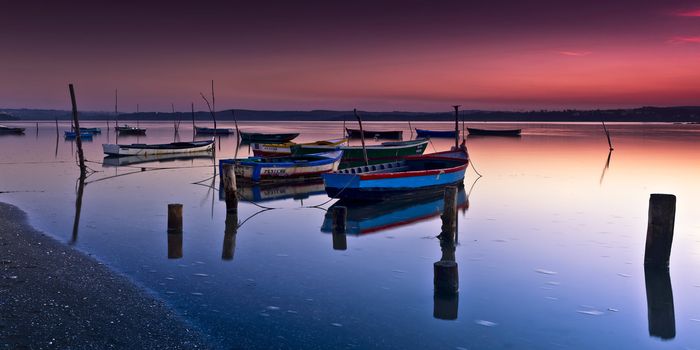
x=116, y=112
x=456, y=107
x=78, y=141
x=175, y=218
x=213, y=105
x=410, y=128
x=607, y=134
x=194, y=128
x=238, y=132
x=662, y=213
x=362, y=136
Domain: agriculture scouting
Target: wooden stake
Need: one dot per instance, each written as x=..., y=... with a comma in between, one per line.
x=410, y=128
x=78, y=141
x=362, y=136
x=175, y=218
x=456, y=107
x=662, y=212
x=228, y=178
x=449, y=214
x=607, y=134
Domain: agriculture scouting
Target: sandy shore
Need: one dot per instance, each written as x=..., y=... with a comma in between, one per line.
x=55, y=297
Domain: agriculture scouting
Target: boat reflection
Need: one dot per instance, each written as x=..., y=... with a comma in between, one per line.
x=272, y=192
x=366, y=218
x=111, y=161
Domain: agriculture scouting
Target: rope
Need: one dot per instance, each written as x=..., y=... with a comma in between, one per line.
x=318, y=206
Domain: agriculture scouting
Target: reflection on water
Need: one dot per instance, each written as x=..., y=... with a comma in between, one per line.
x=549, y=253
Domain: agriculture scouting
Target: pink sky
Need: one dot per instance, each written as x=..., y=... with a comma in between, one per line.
x=403, y=55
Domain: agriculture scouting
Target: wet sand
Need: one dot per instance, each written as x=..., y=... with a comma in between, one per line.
x=55, y=297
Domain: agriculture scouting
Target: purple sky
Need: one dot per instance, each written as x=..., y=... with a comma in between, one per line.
x=389, y=55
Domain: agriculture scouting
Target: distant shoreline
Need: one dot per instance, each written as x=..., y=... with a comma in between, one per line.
x=643, y=114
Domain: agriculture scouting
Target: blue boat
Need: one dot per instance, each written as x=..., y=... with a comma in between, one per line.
x=91, y=130
x=435, y=133
x=425, y=173
x=289, y=168
x=83, y=135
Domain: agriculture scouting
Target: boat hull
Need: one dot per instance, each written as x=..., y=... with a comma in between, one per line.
x=168, y=148
x=83, y=135
x=260, y=137
x=354, y=156
x=392, y=134
x=285, y=149
x=429, y=173
x=435, y=133
x=292, y=168
x=11, y=130
x=493, y=132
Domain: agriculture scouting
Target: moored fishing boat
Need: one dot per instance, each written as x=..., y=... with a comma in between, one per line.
x=390, y=134
x=425, y=173
x=382, y=153
x=83, y=135
x=4, y=129
x=91, y=130
x=130, y=130
x=264, y=137
x=435, y=133
x=290, y=168
x=494, y=132
x=285, y=149
x=368, y=217
x=213, y=131
x=165, y=148
x=115, y=161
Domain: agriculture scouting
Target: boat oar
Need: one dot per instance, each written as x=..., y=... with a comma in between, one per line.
x=362, y=136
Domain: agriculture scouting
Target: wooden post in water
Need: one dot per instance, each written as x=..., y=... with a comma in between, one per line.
x=410, y=128
x=78, y=141
x=662, y=213
x=340, y=216
x=228, y=179
x=56, y=127
x=228, y=182
x=456, y=107
x=445, y=271
x=362, y=136
x=175, y=218
x=37, y=129
x=607, y=134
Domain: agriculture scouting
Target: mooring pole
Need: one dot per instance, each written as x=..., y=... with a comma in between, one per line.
x=78, y=141
x=362, y=136
x=456, y=107
x=662, y=212
x=175, y=218
x=446, y=271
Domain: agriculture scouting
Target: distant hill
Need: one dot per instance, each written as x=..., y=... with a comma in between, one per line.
x=6, y=116
x=643, y=114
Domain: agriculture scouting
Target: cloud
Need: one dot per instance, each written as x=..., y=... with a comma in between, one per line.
x=685, y=40
x=575, y=53
x=689, y=13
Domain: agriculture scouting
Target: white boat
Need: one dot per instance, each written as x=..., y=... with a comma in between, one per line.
x=289, y=168
x=165, y=148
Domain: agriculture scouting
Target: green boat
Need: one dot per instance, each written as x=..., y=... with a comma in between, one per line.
x=376, y=154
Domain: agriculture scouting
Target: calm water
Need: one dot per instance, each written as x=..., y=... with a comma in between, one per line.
x=551, y=242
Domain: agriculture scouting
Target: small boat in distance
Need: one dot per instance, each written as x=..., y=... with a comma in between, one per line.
x=290, y=168
x=354, y=155
x=213, y=131
x=4, y=129
x=494, y=132
x=165, y=148
x=83, y=135
x=405, y=178
x=285, y=149
x=91, y=130
x=116, y=161
x=130, y=130
x=263, y=137
x=435, y=133
x=392, y=134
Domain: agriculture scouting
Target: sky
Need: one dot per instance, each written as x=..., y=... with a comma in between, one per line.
x=372, y=55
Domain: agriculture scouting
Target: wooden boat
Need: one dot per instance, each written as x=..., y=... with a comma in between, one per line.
x=261, y=137
x=83, y=135
x=213, y=131
x=290, y=168
x=435, y=133
x=364, y=218
x=392, y=134
x=4, y=129
x=354, y=156
x=285, y=149
x=91, y=130
x=116, y=161
x=164, y=148
x=494, y=132
x=130, y=130
x=407, y=177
